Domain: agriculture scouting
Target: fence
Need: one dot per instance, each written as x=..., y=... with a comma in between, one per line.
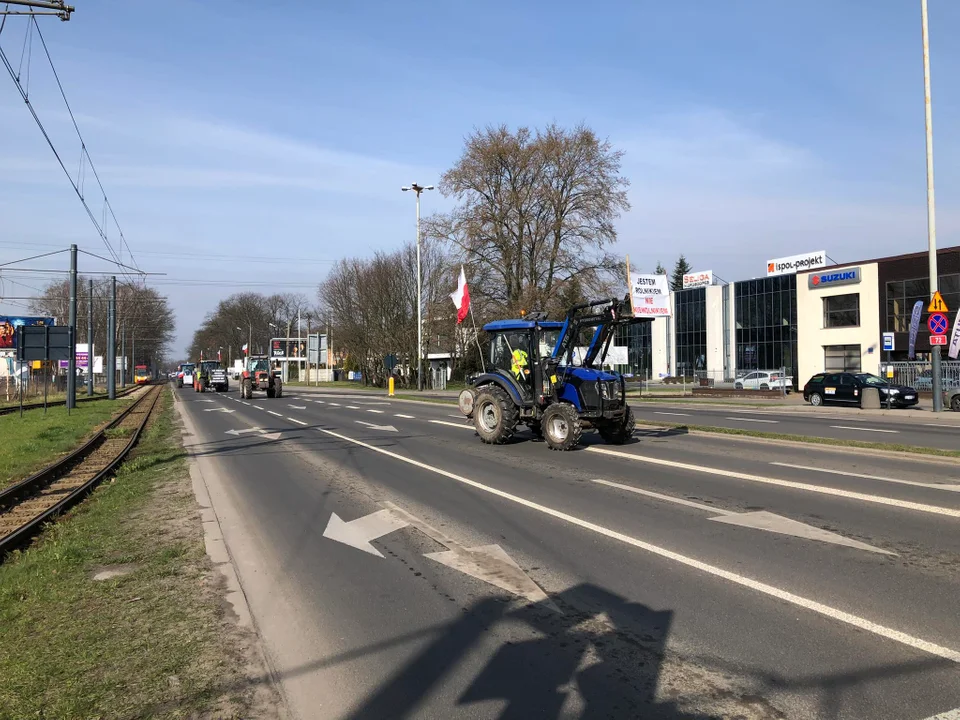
x=919, y=375
x=745, y=380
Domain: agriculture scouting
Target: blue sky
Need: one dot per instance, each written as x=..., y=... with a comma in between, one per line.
x=752, y=129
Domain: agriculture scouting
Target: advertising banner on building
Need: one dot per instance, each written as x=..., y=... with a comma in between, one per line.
x=954, y=350
x=698, y=279
x=847, y=276
x=797, y=263
x=914, y=328
x=9, y=325
x=650, y=295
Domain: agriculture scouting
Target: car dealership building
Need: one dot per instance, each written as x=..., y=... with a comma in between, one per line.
x=805, y=316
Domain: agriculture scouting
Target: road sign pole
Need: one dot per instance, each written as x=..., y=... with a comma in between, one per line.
x=931, y=205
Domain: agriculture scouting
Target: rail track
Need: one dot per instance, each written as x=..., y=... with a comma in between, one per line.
x=10, y=409
x=27, y=505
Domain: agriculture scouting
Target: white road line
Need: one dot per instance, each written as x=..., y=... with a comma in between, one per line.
x=668, y=498
x=379, y=412
x=352, y=407
x=847, y=427
x=408, y=417
x=955, y=487
x=274, y=413
x=459, y=425
x=245, y=403
x=335, y=404
x=300, y=422
x=321, y=402
x=258, y=407
x=459, y=417
x=735, y=578
x=656, y=412
x=905, y=504
x=743, y=419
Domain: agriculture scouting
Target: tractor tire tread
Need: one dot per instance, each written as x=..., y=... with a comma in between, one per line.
x=620, y=433
x=573, y=421
x=509, y=415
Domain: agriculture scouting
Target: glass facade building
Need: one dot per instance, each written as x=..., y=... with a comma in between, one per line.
x=638, y=340
x=691, y=332
x=765, y=311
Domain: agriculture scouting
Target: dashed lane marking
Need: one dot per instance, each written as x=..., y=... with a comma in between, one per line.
x=379, y=412
x=757, y=420
x=863, y=429
x=408, y=417
x=274, y=413
x=299, y=422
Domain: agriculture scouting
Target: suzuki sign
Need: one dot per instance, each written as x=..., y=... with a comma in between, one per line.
x=847, y=276
x=698, y=279
x=797, y=263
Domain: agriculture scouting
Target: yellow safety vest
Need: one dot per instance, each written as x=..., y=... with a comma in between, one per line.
x=519, y=363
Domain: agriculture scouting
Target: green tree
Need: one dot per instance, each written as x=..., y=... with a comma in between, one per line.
x=679, y=270
x=661, y=270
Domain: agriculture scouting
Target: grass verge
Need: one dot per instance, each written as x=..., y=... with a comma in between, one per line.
x=149, y=643
x=35, y=441
x=810, y=440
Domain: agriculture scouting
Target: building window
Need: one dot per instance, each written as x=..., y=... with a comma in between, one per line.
x=902, y=295
x=691, y=322
x=765, y=313
x=639, y=339
x=841, y=358
x=841, y=311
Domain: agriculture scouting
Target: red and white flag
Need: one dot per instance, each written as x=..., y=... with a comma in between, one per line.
x=461, y=297
x=244, y=349
x=219, y=359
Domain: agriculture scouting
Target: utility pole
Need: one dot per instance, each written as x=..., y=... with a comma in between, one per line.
x=72, y=359
x=123, y=353
x=418, y=189
x=111, y=368
x=90, y=341
x=133, y=352
x=931, y=205
x=330, y=367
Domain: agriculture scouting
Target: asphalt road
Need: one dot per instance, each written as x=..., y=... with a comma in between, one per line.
x=831, y=422
x=514, y=582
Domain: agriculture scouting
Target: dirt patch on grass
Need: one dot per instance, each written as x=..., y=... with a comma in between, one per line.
x=155, y=639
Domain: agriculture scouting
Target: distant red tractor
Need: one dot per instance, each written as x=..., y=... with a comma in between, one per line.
x=259, y=376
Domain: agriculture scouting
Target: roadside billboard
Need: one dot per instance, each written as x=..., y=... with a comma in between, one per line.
x=10, y=323
x=698, y=279
x=650, y=295
x=288, y=349
x=797, y=263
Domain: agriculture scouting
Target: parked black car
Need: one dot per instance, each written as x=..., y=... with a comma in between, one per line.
x=848, y=388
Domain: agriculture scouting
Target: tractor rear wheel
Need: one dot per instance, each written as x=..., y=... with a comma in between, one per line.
x=279, y=389
x=271, y=392
x=246, y=389
x=561, y=426
x=619, y=432
x=494, y=415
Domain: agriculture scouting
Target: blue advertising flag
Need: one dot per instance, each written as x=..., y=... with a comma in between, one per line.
x=914, y=327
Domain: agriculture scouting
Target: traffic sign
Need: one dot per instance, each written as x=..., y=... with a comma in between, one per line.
x=937, y=323
x=889, y=344
x=938, y=339
x=937, y=305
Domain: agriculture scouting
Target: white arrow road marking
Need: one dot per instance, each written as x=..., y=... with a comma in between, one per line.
x=759, y=520
x=763, y=588
x=297, y=407
x=385, y=428
x=950, y=487
x=358, y=533
x=489, y=563
x=456, y=425
x=219, y=409
x=263, y=433
x=847, y=427
x=879, y=499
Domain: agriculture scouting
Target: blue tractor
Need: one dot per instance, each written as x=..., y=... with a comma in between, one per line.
x=547, y=375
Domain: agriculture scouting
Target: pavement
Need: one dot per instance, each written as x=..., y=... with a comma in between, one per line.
x=397, y=567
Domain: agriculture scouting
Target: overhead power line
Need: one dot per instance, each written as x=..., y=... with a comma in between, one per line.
x=85, y=159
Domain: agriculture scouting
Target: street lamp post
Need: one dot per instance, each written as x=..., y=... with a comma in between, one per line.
x=931, y=207
x=419, y=189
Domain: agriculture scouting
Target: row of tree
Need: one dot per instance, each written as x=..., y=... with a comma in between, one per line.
x=145, y=321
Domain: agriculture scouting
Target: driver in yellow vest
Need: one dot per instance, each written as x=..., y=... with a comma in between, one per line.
x=518, y=365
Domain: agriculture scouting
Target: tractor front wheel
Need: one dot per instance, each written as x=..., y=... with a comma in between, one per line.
x=279, y=390
x=246, y=389
x=561, y=426
x=495, y=416
x=619, y=432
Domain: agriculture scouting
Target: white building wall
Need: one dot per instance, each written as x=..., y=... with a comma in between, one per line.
x=714, y=318
x=812, y=336
x=658, y=347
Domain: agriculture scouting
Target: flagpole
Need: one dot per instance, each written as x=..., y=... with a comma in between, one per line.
x=476, y=336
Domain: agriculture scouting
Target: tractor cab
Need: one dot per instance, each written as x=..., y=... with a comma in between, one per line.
x=520, y=350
